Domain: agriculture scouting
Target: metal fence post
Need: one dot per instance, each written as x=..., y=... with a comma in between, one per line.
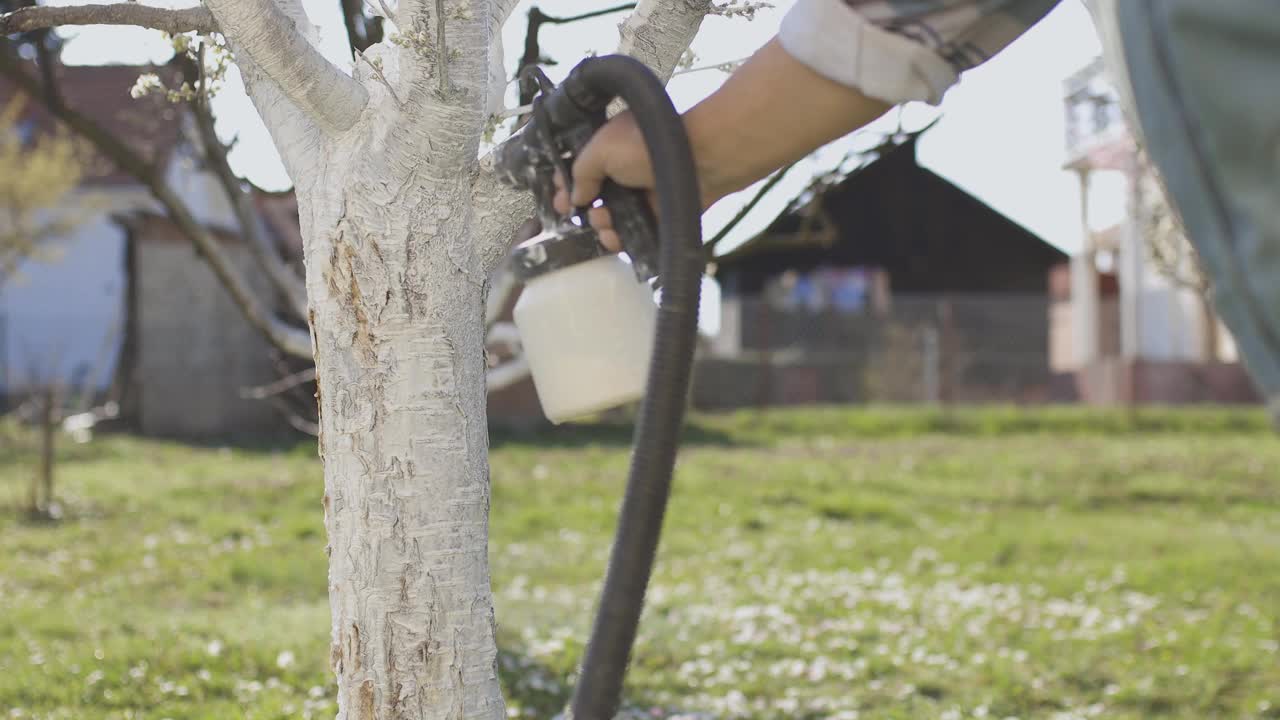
x=931, y=367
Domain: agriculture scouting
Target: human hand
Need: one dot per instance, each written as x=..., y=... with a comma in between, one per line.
x=616, y=151
x=772, y=111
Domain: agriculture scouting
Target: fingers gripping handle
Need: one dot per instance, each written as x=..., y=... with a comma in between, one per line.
x=576, y=110
x=636, y=226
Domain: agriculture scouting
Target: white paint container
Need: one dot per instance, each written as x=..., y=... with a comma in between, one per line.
x=587, y=330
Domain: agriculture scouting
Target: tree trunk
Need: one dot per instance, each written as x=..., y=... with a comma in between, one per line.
x=48, y=435
x=124, y=388
x=1209, y=335
x=397, y=312
x=402, y=228
x=398, y=256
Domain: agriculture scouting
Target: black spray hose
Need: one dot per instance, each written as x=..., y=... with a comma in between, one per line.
x=681, y=264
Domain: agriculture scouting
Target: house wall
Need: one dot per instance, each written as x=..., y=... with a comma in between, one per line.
x=195, y=350
x=1120, y=381
x=60, y=318
x=200, y=190
x=1062, y=351
x=1169, y=323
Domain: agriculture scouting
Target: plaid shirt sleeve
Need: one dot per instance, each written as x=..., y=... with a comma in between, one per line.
x=900, y=50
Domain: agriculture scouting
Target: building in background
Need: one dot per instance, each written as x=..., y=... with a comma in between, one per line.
x=189, y=351
x=128, y=301
x=885, y=284
x=1132, y=320
x=62, y=319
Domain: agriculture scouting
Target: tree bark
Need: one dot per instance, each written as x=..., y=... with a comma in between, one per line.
x=397, y=300
x=401, y=238
x=404, y=442
x=396, y=279
x=172, y=21
x=659, y=32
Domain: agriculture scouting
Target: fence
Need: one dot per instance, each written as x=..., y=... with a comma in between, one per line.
x=919, y=349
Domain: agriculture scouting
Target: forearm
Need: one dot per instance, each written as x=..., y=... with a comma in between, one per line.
x=773, y=111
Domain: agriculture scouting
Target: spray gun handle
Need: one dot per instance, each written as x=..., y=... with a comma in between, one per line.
x=636, y=226
x=564, y=120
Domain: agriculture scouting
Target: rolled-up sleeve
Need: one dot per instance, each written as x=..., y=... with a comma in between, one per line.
x=901, y=50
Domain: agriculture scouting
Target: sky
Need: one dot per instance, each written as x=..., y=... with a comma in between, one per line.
x=1000, y=135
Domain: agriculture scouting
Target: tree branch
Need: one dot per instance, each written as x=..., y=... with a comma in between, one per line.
x=284, y=384
x=500, y=291
x=295, y=341
x=533, y=49
x=292, y=340
x=768, y=185
x=196, y=19
x=659, y=32
x=498, y=208
x=285, y=280
x=362, y=30
x=299, y=423
x=273, y=41
x=507, y=374
x=289, y=396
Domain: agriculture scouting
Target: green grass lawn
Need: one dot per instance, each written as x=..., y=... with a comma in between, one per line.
x=817, y=564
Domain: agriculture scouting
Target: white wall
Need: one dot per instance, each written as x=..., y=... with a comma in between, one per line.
x=201, y=191
x=1169, y=324
x=63, y=315
x=60, y=317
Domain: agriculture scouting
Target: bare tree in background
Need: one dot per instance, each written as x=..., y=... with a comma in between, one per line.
x=38, y=174
x=1170, y=252
x=403, y=227
x=202, y=61
x=36, y=177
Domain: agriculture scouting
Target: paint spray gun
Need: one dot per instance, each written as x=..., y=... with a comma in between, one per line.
x=591, y=332
x=586, y=318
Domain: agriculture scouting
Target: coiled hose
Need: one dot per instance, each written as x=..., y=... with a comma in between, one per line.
x=657, y=432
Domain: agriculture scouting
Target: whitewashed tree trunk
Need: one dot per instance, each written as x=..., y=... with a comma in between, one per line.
x=396, y=280
x=402, y=227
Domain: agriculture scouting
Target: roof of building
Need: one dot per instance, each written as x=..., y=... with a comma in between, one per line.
x=148, y=125
x=892, y=213
x=278, y=212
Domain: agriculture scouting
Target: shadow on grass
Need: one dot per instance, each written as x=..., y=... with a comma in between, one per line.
x=20, y=444
x=741, y=428
x=543, y=692
x=862, y=422
x=16, y=513
x=605, y=434
x=769, y=427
